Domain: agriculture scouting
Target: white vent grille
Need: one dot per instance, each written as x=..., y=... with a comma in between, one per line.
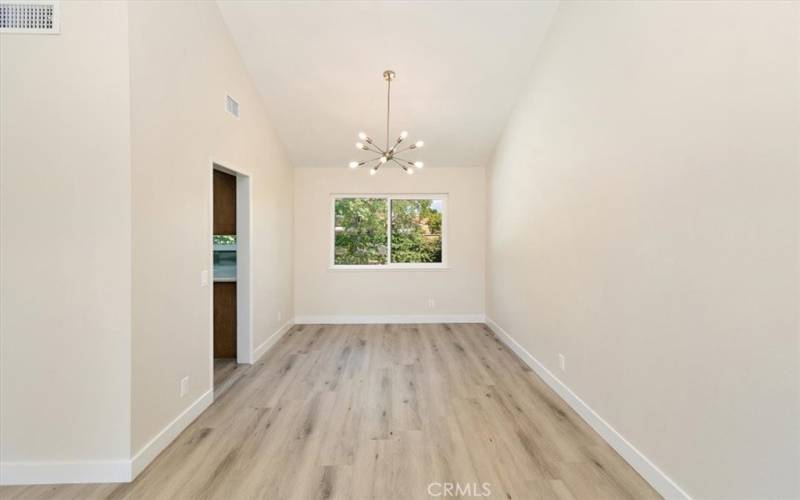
x=232, y=106
x=29, y=16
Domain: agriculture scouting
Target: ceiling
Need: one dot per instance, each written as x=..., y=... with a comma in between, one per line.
x=461, y=66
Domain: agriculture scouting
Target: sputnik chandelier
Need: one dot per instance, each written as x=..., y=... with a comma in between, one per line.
x=389, y=153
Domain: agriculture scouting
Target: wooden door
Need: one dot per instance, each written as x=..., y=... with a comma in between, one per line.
x=225, y=319
x=224, y=203
x=224, y=291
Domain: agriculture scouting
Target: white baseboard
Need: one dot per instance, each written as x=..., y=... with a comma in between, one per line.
x=647, y=469
x=150, y=451
x=272, y=340
x=389, y=319
x=111, y=471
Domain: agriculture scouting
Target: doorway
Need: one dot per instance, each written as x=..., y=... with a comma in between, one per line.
x=231, y=337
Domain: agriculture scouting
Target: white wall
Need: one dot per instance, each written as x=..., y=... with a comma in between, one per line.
x=322, y=294
x=644, y=222
x=182, y=63
x=65, y=235
x=106, y=218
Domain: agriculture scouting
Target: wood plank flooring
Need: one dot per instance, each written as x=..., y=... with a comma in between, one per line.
x=380, y=412
x=226, y=372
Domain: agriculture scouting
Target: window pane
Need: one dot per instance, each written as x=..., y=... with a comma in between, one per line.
x=224, y=257
x=417, y=231
x=360, y=231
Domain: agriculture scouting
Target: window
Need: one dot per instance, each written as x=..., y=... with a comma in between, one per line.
x=392, y=231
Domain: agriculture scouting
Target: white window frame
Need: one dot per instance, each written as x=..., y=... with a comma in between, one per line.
x=389, y=264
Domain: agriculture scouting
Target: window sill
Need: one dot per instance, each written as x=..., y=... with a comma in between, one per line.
x=392, y=267
x=225, y=280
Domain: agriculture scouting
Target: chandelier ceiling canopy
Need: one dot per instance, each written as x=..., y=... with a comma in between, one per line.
x=389, y=153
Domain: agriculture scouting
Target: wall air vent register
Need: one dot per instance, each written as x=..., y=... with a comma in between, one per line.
x=29, y=16
x=231, y=105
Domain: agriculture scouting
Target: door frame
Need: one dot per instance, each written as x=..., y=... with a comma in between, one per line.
x=244, y=270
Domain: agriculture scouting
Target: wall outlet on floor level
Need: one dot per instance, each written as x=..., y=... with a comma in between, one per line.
x=431, y=303
x=203, y=278
x=562, y=362
x=184, y=386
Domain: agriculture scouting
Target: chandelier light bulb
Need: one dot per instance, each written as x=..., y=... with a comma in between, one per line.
x=383, y=159
x=410, y=171
x=419, y=164
x=362, y=136
x=359, y=145
x=353, y=164
x=373, y=171
x=403, y=134
x=419, y=144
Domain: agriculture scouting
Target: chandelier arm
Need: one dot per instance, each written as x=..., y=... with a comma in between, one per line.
x=401, y=165
x=375, y=149
x=396, y=158
x=408, y=148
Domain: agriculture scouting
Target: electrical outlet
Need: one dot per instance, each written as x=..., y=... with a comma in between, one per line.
x=431, y=303
x=562, y=362
x=204, y=278
x=280, y=315
x=184, y=386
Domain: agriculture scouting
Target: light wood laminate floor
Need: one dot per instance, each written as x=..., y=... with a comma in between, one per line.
x=379, y=412
x=226, y=372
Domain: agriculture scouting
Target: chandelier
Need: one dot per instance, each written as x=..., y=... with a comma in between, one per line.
x=388, y=154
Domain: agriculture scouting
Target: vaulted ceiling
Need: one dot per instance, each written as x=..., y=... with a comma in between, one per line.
x=461, y=67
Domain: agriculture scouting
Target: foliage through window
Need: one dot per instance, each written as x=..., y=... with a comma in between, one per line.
x=224, y=239
x=393, y=231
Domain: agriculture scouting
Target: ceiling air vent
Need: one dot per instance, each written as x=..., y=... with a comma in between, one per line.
x=29, y=16
x=231, y=105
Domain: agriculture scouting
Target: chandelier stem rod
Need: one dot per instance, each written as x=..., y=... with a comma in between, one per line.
x=388, y=110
